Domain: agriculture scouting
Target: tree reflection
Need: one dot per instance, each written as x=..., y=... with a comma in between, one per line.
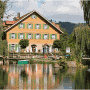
x=82, y=80
x=3, y=79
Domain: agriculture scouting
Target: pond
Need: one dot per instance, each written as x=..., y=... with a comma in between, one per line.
x=42, y=76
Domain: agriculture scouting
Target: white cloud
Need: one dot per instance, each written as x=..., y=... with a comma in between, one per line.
x=50, y=7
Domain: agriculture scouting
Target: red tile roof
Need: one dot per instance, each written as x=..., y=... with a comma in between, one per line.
x=10, y=22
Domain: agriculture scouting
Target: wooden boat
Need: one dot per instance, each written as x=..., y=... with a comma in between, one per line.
x=23, y=62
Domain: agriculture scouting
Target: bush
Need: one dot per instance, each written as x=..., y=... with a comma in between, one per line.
x=57, y=44
x=24, y=43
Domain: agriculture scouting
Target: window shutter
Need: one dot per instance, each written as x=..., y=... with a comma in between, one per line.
x=32, y=36
x=35, y=26
x=40, y=26
x=9, y=35
x=16, y=47
x=24, y=35
x=9, y=47
x=32, y=26
x=27, y=36
x=43, y=36
x=15, y=35
x=55, y=36
x=48, y=36
x=51, y=36
x=35, y=36
x=18, y=35
x=40, y=36
x=43, y=26
x=24, y=25
x=48, y=26
x=27, y=26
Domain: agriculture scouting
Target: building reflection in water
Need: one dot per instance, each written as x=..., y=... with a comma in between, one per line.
x=43, y=76
x=39, y=76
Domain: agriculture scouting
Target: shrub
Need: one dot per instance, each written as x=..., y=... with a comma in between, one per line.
x=24, y=43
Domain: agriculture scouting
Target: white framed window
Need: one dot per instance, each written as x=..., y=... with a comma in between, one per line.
x=12, y=47
x=45, y=36
x=29, y=26
x=21, y=25
x=53, y=36
x=29, y=36
x=37, y=36
x=37, y=26
x=12, y=35
x=21, y=36
x=45, y=26
x=33, y=16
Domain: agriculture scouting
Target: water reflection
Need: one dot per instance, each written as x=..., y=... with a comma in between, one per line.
x=42, y=76
x=3, y=78
x=33, y=76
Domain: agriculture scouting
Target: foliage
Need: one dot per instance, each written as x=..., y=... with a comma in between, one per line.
x=86, y=8
x=3, y=79
x=3, y=43
x=2, y=7
x=23, y=74
x=64, y=39
x=57, y=44
x=68, y=26
x=3, y=46
x=24, y=43
x=79, y=41
x=62, y=43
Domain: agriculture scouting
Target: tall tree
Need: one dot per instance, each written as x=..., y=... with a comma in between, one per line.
x=2, y=7
x=80, y=41
x=86, y=8
x=3, y=43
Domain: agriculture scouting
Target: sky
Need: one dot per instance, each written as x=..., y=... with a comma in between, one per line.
x=57, y=10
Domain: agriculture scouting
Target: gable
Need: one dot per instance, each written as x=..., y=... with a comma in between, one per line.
x=26, y=18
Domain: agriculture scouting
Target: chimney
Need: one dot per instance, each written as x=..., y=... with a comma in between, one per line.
x=18, y=14
x=14, y=19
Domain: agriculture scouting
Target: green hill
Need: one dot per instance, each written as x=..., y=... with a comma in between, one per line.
x=68, y=26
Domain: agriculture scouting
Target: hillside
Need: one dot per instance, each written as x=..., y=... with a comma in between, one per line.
x=67, y=26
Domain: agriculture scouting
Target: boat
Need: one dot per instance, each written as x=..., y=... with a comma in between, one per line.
x=23, y=62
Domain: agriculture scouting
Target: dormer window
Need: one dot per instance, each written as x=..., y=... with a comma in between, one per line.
x=37, y=26
x=33, y=16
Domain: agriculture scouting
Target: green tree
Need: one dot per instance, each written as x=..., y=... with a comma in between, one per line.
x=86, y=8
x=57, y=44
x=3, y=79
x=2, y=7
x=3, y=43
x=63, y=42
x=80, y=41
x=24, y=43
